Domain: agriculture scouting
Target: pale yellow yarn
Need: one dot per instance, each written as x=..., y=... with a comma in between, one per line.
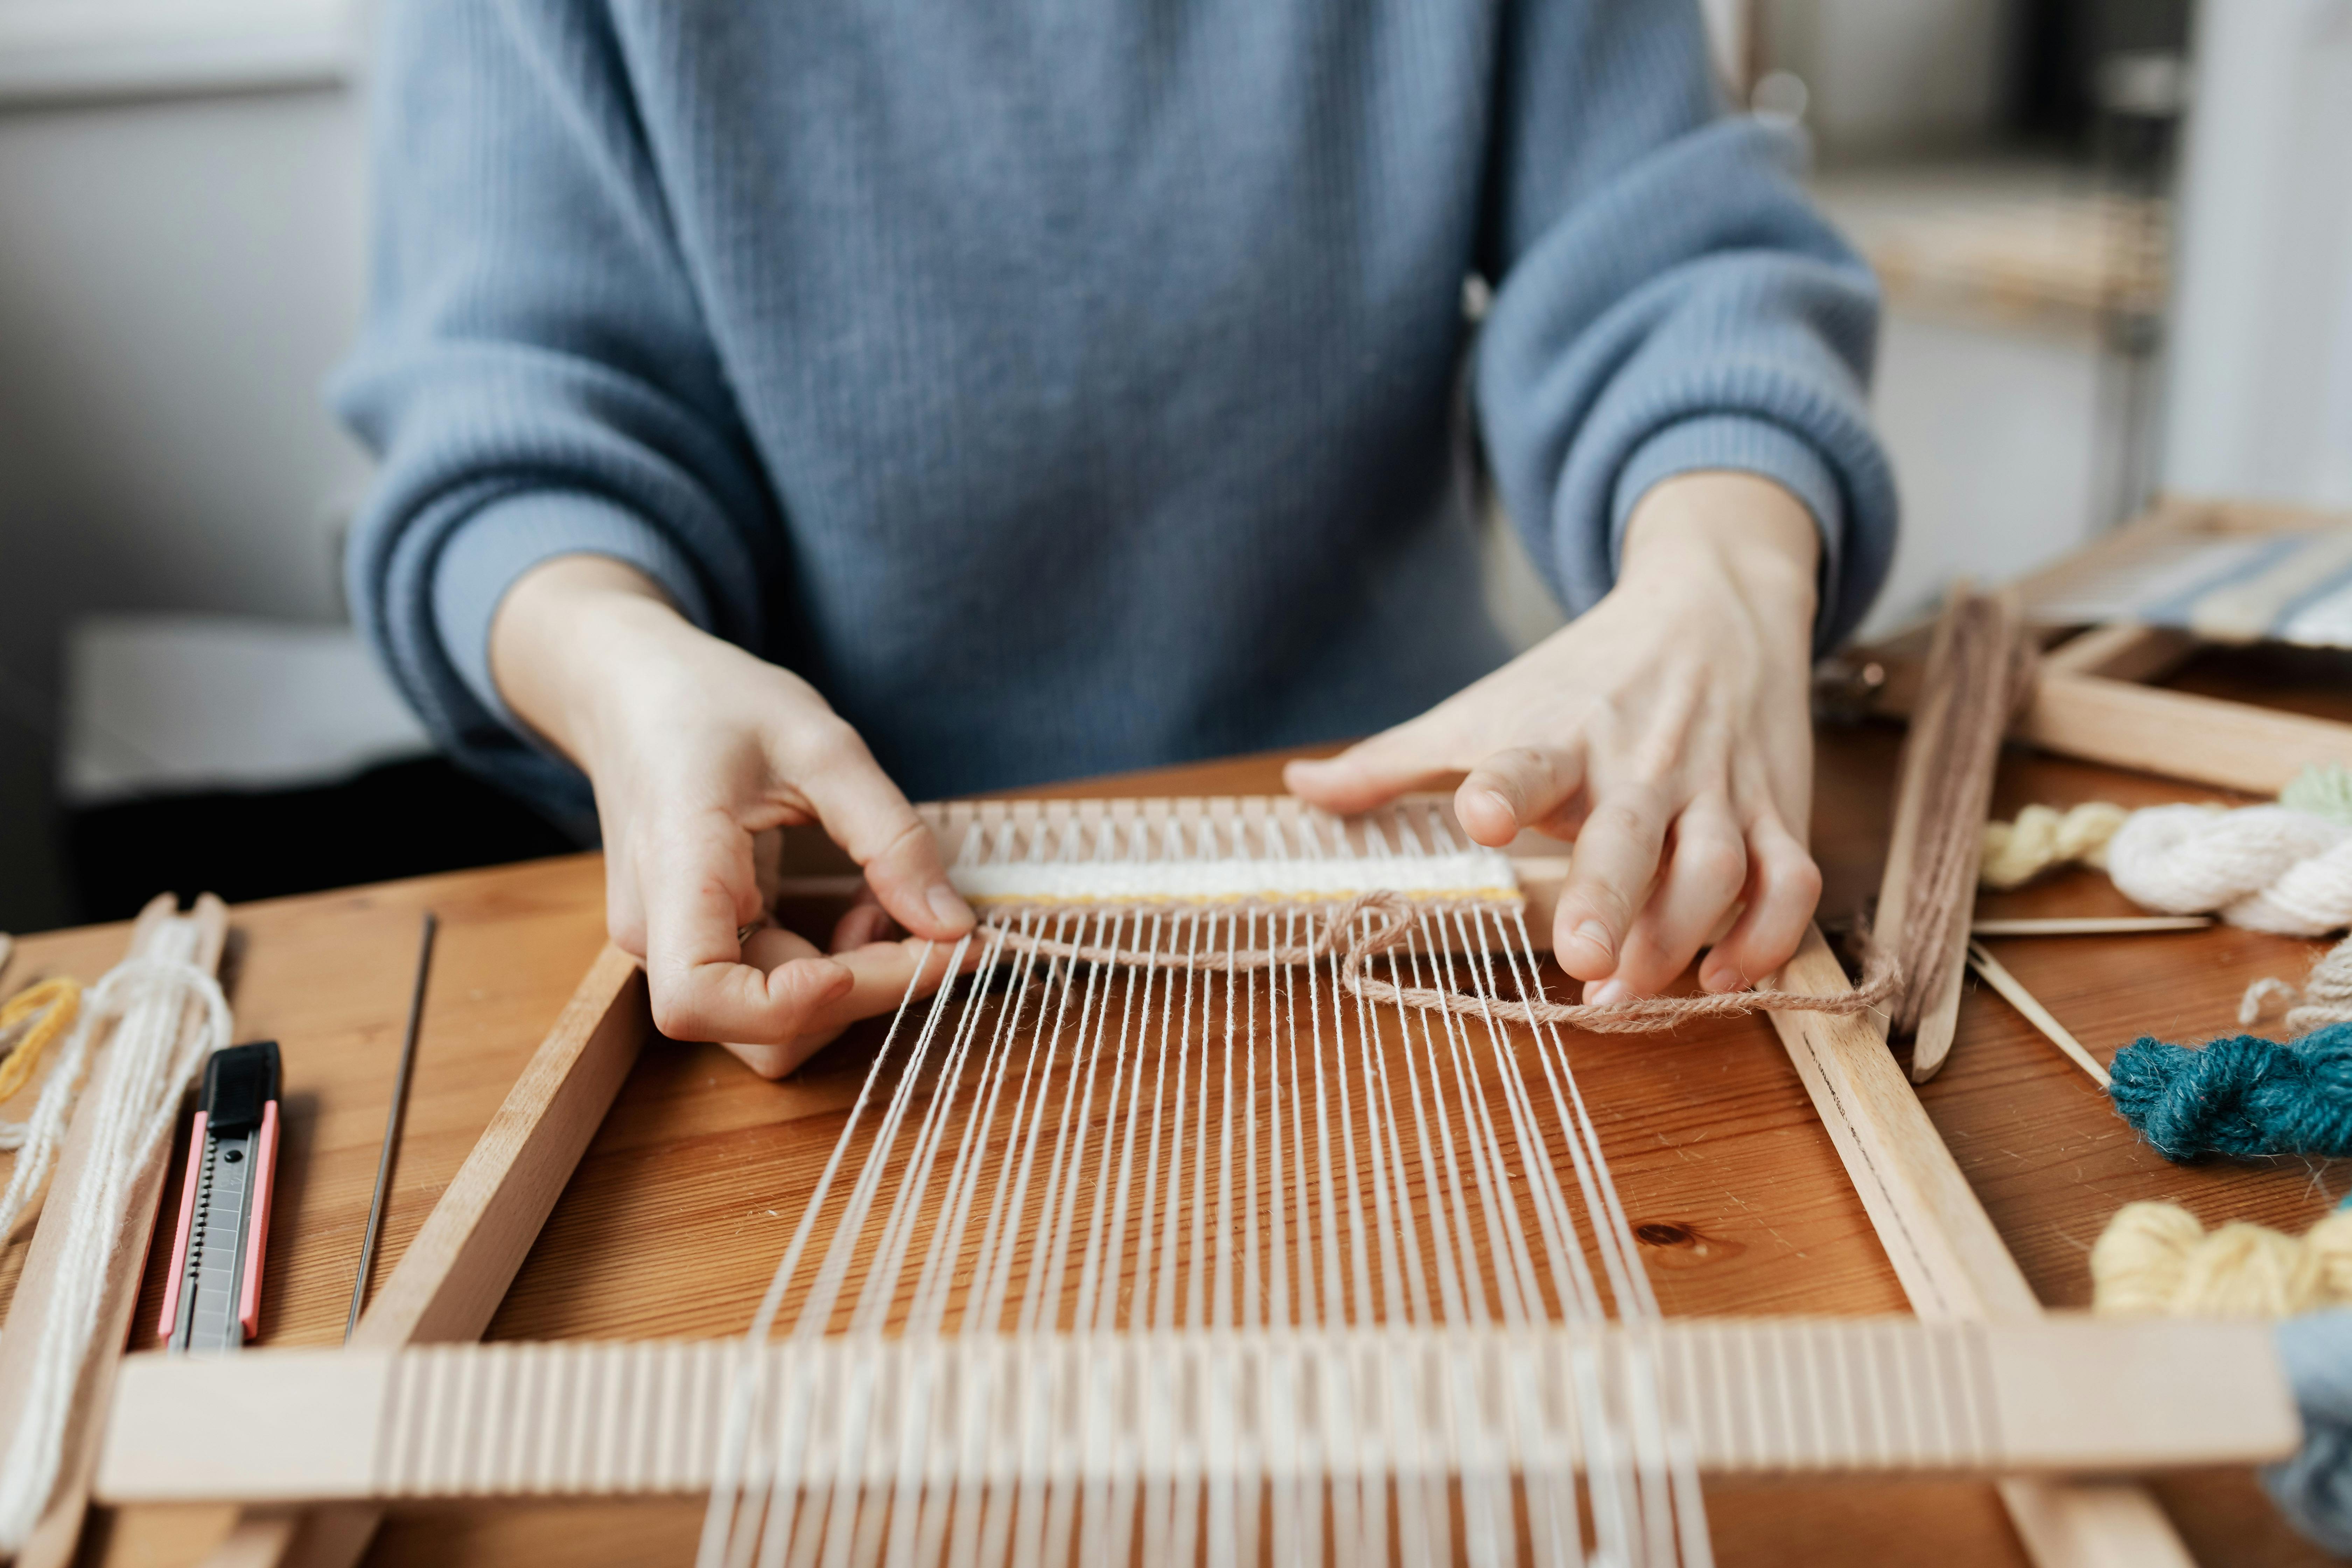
x=2155, y=1260
x=2014, y=853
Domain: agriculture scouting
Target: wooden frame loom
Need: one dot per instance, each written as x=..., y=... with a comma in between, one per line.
x=1963, y=1284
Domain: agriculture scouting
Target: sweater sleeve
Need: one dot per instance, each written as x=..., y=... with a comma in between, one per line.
x=1666, y=300
x=534, y=375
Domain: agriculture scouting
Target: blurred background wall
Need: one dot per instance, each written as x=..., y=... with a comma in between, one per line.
x=2115, y=237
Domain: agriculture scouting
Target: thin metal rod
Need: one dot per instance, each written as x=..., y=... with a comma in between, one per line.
x=392, y=1122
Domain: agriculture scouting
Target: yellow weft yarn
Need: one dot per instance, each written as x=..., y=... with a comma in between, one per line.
x=2155, y=1260
x=2043, y=838
x=57, y=1002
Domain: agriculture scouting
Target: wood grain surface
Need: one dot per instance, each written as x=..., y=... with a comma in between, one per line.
x=679, y=1208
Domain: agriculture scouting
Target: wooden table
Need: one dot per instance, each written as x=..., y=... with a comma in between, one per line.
x=674, y=1220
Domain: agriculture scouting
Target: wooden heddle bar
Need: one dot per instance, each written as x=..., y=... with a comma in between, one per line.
x=1786, y=1396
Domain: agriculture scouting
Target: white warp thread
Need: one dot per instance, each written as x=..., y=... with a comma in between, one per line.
x=138, y=1089
x=2266, y=868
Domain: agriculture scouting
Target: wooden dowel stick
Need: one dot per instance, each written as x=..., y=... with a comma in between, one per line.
x=1997, y=976
x=2089, y=925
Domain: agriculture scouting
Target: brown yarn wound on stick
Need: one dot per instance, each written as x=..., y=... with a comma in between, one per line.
x=1980, y=668
x=1880, y=977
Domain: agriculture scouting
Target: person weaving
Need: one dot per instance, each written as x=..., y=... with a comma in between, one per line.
x=787, y=410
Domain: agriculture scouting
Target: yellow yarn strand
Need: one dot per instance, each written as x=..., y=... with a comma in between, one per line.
x=2043, y=839
x=56, y=1003
x=2155, y=1260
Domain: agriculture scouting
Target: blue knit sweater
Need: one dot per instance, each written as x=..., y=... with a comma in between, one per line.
x=1068, y=385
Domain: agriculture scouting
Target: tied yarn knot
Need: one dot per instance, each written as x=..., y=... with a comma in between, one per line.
x=2242, y=1096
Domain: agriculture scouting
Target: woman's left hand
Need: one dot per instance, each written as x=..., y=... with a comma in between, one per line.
x=1667, y=731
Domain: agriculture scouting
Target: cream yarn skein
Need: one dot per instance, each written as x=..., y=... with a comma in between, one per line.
x=2043, y=837
x=2266, y=868
x=2155, y=1260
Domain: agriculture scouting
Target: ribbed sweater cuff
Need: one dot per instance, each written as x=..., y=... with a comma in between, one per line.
x=491, y=551
x=1745, y=445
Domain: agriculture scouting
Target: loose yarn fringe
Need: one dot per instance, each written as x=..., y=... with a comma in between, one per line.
x=1393, y=926
x=2324, y=998
x=2154, y=1259
x=132, y=1102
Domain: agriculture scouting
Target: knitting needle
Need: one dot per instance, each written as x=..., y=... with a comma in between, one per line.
x=392, y=1122
x=2088, y=925
x=1998, y=976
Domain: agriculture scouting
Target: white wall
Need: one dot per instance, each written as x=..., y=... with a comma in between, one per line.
x=2260, y=397
x=176, y=278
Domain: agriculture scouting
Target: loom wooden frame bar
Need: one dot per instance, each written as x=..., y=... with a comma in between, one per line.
x=648, y=1417
x=1947, y=1255
x=55, y=1538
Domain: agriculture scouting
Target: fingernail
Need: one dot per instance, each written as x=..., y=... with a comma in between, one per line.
x=1611, y=992
x=952, y=911
x=1495, y=798
x=1597, y=934
x=1721, y=977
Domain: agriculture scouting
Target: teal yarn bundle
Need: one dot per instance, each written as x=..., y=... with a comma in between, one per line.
x=2242, y=1096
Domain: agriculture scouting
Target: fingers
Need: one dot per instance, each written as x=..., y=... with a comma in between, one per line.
x=881, y=976
x=699, y=890
x=866, y=816
x=866, y=922
x=1784, y=886
x=1371, y=773
x=1705, y=868
x=1608, y=881
x=1517, y=788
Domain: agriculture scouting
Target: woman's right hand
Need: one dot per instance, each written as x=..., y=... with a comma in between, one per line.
x=699, y=753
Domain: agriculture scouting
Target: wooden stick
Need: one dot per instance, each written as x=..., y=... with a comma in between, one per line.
x=450, y=1281
x=1951, y=1259
x=2089, y=925
x=54, y=1539
x=1997, y=976
x=7, y=953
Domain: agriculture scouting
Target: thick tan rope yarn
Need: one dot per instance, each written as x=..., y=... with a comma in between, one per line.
x=1392, y=925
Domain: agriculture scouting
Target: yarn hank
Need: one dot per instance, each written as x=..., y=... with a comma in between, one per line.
x=2154, y=1259
x=2044, y=838
x=42, y=1012
x=133, y=1098
x=2242, y=1096
x=2266, y=868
